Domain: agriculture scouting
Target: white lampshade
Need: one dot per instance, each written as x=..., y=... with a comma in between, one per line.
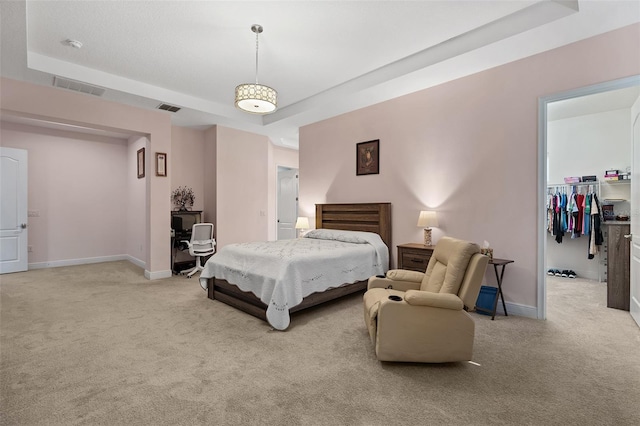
x=427, y=219
x=253, y=97
x=256, y=98
x=302, y=223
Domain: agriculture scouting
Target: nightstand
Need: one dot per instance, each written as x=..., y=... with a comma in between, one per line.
x=414, y=256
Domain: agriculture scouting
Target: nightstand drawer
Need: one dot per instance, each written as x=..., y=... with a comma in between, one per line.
x=415, y=262
x=414, y=257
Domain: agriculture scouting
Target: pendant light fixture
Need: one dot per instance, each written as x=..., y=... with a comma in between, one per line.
x=256, y=98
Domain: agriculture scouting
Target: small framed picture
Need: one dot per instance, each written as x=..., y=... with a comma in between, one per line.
x=368, y=158
x=140, y=163
x=161, y=164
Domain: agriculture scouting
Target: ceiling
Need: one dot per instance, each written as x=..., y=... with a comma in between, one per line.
x=593, y=104
x=323, y=57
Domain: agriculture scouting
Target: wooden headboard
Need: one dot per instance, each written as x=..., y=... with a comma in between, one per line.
x=368, y=217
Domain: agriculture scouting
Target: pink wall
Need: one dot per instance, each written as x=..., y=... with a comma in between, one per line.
x=97, y=177
x=136, y=207
x=187, y=162
x=210, y=176
x=467, y=148
x=48, y=103
x=77, y=188
x=241, y=186
x=246, y=174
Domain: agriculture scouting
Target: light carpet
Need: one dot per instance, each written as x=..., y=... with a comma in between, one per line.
x=101, y=345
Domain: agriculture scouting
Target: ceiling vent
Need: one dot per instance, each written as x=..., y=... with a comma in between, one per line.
x=167, y=107
x=77, y=86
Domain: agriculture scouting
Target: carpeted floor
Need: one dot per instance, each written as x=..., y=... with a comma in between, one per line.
x=99, y=344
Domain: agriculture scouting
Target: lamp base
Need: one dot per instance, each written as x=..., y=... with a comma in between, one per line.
x=427, y=236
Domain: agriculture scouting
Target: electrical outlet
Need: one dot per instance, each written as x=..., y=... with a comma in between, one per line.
x=30, y=249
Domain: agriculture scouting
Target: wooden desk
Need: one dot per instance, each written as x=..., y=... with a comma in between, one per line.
x=502, y=263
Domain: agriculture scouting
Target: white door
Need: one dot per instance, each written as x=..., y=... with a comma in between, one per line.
x=13, y=210
x=634, y=305
x=287, y=203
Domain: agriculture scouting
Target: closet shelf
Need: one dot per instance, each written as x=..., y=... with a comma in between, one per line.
x=573, y=184
x=615, y=182
x=614, y=200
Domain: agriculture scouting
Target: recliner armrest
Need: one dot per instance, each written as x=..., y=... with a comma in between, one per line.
x=405, y=275
x=377, y=282
x=436, y=300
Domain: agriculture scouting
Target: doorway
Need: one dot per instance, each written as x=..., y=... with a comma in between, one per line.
x=591, y=102
x=287, y=202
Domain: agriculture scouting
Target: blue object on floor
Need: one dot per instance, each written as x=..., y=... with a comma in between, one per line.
x=486, y=299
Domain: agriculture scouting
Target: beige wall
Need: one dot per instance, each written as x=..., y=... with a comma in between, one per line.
x=467, y=148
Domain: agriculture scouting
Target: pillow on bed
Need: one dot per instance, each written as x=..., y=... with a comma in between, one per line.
x=337, y=235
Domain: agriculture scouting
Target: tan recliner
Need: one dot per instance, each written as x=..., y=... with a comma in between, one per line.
x=427, y=321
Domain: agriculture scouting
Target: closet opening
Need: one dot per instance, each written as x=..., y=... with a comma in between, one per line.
x=584, y=134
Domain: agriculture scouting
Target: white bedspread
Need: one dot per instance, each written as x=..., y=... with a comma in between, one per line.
x=281, y=273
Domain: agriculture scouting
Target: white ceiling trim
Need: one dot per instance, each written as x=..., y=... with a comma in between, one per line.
x=491, y=34
x=520, y=21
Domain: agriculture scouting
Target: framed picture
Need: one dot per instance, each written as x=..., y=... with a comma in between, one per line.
x=161, y=164
x=140, y=163
x=368, y=158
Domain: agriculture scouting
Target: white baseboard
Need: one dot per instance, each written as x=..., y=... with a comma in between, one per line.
x=518, y=310
x=142, y=264
x=156, y=275
x=74, y=262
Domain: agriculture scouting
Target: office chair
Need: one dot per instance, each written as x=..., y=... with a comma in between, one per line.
x=201, y=244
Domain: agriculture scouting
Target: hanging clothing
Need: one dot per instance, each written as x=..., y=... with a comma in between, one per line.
x=563, y=213
x=587, y=214
x=595, y=237
x=580, y=214
x=573, y=212
x=557, y=218
x=550, y=213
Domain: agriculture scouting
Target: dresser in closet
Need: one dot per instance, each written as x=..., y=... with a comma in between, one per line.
x=618, y=264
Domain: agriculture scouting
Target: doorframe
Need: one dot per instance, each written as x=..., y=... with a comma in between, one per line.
x=621, y=83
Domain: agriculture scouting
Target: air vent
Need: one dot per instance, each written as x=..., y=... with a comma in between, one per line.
x=77, y=86
x=167, y=107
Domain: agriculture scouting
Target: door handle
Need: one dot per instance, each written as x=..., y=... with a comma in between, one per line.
x=628, y=236
x=23, y=226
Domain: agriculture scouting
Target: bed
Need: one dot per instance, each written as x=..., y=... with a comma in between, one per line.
x=291, y=275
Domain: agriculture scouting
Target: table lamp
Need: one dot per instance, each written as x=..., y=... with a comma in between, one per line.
x=302, y=223
x=426, y=220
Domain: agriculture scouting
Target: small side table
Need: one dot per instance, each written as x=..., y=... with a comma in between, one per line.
x=502, y=263
x=414, y=256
